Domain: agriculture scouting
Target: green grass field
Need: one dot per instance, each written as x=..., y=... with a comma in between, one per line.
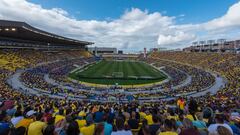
x=120, y=72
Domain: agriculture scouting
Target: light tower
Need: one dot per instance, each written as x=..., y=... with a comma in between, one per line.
x=210, y=43
x=145, y=53
x=221, y=43
x=95, y=51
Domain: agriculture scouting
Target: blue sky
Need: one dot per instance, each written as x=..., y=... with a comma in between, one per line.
x=130, y=25
x=195, y=11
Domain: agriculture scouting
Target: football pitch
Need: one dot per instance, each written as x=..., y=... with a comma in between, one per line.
x=118, y=72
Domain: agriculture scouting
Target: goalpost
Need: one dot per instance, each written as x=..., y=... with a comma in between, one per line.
x=117, y=74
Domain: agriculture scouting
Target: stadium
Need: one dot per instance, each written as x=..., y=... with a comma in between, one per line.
x=55, y=85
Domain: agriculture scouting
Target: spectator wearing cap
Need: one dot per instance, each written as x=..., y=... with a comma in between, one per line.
x=18, y=116
x=28, y=118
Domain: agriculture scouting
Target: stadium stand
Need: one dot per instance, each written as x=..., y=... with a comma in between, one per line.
x=51, y=107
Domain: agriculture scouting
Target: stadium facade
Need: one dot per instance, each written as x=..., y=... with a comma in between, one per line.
x=14, y=34
x=220, y=45
x=102, y=50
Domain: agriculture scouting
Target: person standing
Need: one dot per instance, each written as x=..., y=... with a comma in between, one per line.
x=181, y=104
x=38, y=126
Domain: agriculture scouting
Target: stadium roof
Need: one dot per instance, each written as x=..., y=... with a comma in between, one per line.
x=23, y=31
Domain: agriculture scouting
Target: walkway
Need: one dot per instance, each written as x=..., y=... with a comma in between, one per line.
x=16, y=83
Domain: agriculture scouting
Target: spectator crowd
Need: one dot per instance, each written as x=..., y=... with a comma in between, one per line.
x=24, y=113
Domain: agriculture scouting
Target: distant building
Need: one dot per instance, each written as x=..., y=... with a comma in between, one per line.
x=220, y=45
x=158, y=49
x=162, y=49
x=153, y=49
x=102, y=50
x=175, y=50
x=120, y=51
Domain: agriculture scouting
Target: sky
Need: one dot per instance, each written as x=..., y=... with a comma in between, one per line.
x=130, y=25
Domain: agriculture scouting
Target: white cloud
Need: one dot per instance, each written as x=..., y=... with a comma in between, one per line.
x=230, y=19
x=134, y=30
x=178, y=37
x=60, y=11
x=136, y=27
x=225, y=26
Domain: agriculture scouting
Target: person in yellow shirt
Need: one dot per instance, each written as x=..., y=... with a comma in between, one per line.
x=168, y=133
x=181, y=104
x=190, y=117
x=25, y=122
x=168, y=128
x=142, y=115
x=89, y=128
x=82, y=113
x=81, y=123
x=172, y=115
x=60, y=116
x=37, y=127
x=148, y=117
